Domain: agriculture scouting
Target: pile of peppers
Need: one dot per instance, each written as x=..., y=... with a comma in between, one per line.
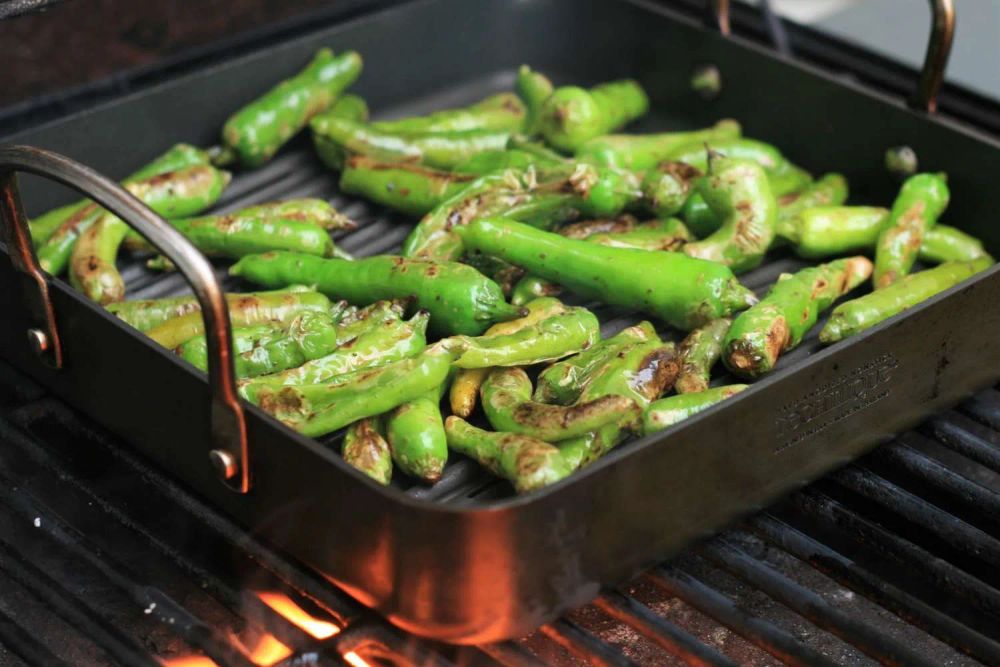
x=459, y=344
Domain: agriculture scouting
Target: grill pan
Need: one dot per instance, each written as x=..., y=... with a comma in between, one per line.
x=466, y=561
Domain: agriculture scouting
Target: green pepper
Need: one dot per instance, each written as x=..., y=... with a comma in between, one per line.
x=587, y=228
x=947, y=244
x=309, y=336
x=572, y=115
x=441, y=150
x=675, y=409
x=669, y=234
x=381, y=340
x=318, y=409
x=409, y=188
x=177, y=157
x=645, y=151
x=921, y=201
x=259, y=129
x=144, y=314
x=828, y=231
x=853, y=317
x=698, y=353
x=417, y=439
x=530, y=287
x=459, y=298
x=504, y=112
x=276, y=307
x=350, y=107
x=563, y=382
x=527, y=463
x=467, y=382
x=667, y=187
x=506, y=395
x=777, y=324
x=684, y=291
x=366, y=449
x=830, y=190
x=504, y=274
x=640, y=372
x=172, y=194
x=739, y=194
x=356, y=321
x=551, y=338
x=92, y=267
x=533, y=88
x=488, y=162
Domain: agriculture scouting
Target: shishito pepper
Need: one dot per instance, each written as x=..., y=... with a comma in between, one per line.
x=921, y=200
x=853, y=317
x=563, y=382
x=259, y=129
x=465, y=386
x=640, y=372
x=460, y=299
x=409, y=188
x=777, y=324
x=828, y=190
x=177, y=157
x=645, y=151
x=530, y=288
x=684, y=291
x=376, y=341
x=365, y=448
x=556, y=336
x=506, y=396
x=675, y=409
x=318, y=409
x=417, y=440
x=587, y=228
x=263, y=349
x=739, y=194
x=172, y=194
x=947, y=244
x=698, y=353
x=533, y=88
x=503, y=111
x=92, y=267
x=527, y=463
x=572, y=115
x=669, y=234
x=441, y=150
x=668, y=186
x=350, y=107
x=274, y=307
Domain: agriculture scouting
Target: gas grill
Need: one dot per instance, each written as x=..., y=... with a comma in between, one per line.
x=892, y=558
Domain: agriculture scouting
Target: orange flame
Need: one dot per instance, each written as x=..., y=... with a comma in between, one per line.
x=268, y=651
x=298, y=616
x=189, y=661
x=355, y=659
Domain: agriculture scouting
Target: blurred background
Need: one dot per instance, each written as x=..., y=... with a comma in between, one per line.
x=72, y=42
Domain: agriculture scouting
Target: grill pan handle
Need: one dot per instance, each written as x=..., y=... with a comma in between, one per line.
x=228, y=424
x=935, y=61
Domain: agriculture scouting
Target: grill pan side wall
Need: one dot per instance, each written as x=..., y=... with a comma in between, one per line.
x=483, y=573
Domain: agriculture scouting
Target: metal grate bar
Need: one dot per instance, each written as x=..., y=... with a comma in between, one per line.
x=949, y=432
x=511, y=654
x=666, y=635
x=810, y=605
x=848, y=573
x=374, y=635
x=940, y=523
x=24, y=645
x=584, y=645
x=710, y=602
x=985, y=407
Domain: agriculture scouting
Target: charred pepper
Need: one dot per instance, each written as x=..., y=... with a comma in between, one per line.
x=669, y=234
x=530, y=287
x=528, y=464
x=684, y=291
x=503, y=111
x=506, y=396
x=318, y=409
x=739, y=194
x=417, y=438
x=830, y=190
x=777, y=324
x=572, y=115
x=920, y=202
x=460, y=299
x=645, y=151
x=669, y=411
x=667, y=187
x=244, y=310
x=853, y=317
x=258, y=130
x=698, y=353
x=366, y=449
x=409, y=188
x=828, y=231
x=92, y=267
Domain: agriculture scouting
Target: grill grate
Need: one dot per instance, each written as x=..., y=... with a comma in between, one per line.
x=105, y=561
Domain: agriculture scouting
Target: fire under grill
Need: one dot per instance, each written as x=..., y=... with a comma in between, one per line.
x=103, y=560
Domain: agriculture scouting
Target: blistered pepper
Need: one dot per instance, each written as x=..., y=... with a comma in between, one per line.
x=460, y=299
x=777, y=324
x=667, y=187
x=258, y=130
x=921, y=201
x=365, y=448
x=644, y=151
x=572, y=115
x=853, y=317
x=503, y=111
x=698, y=353
x=672, y=410
x=409, y=188
x=684, y=291
x=417, y=439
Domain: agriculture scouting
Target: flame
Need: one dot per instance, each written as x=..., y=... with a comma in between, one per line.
x=355, y=659
x=189, y=661
x=268, y=651
x=298, y=616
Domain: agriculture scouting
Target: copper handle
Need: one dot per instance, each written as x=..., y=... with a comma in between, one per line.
x=935, y=61
x=228, y=424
